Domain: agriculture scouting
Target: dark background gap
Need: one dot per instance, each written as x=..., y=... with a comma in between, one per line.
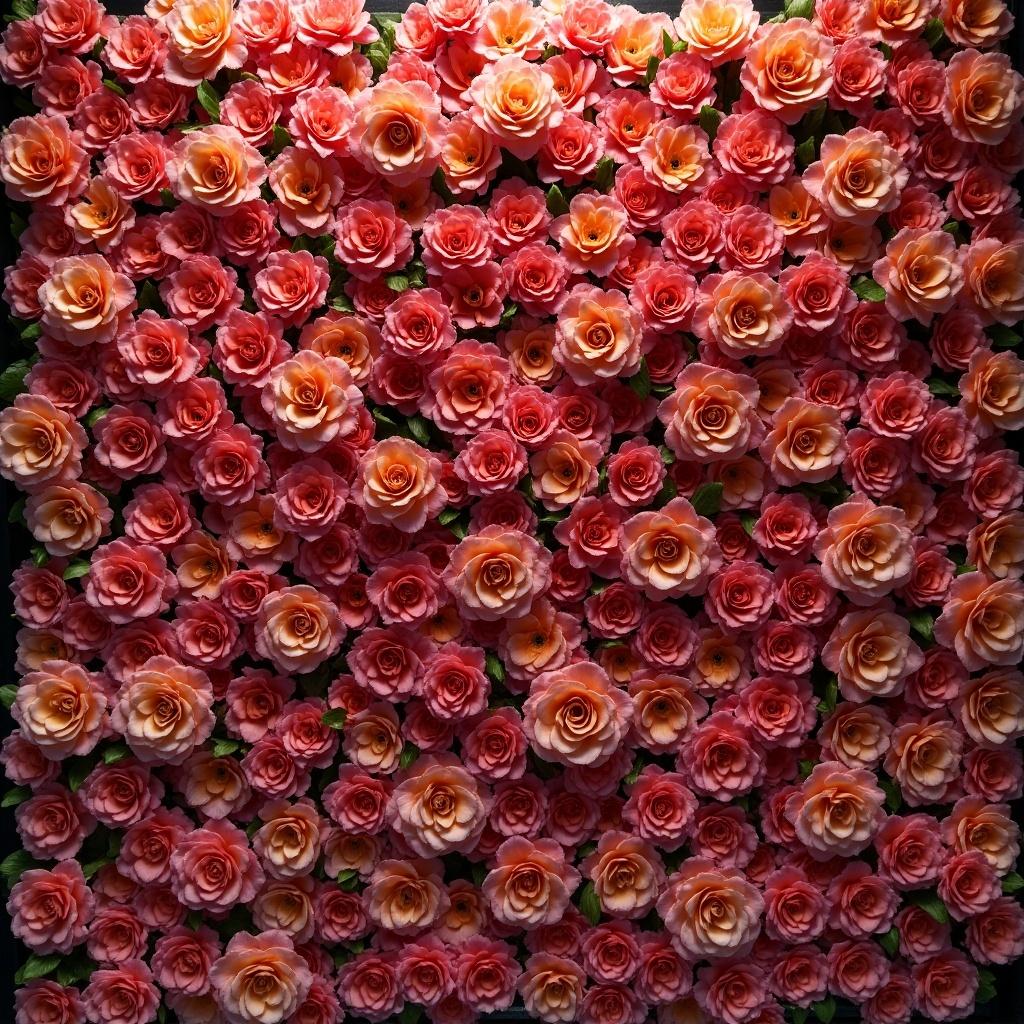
x=1006, y=1008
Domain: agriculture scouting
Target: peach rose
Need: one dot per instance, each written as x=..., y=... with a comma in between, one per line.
x=298, y=628
x=710, y=913
x=994, y=279
x=921, y=272
x=865, y=550
x=288, y=843
x=627, y=874
x=717, y=30
x=744, y=314
x=670, y=552
x=84, y=301
x=565, y=470
x=41, y=444
x=516, y=103
x=260, y=979
x=164, y=711
x=530, y=883
x=983, y=621
x=552, y=986
x=202, y=38
x=872, y=654
x=711, y=415
x=807, y=443
x=924, y=759
x=439, y=810
x=991, y=707
x=984, y=96
x=398, y=130
x=576, y=716
x=399, y=484
x=857, y=177
x=43, y=161
x=497, y=574
x=837, y=810
x=788, y=68
x=676, y=157
x=61, y=709
x=406, y=897
x=993, y=392
x=598, y=335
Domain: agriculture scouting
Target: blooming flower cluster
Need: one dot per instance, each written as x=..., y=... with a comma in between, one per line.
x=522, y=510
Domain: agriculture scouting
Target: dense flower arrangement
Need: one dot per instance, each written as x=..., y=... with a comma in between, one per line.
x=522, y=510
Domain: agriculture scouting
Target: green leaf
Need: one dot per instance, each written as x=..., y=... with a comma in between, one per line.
x=827, y=704
x=74, y=968
x=868, y=289
x=668, y=44
x=805, y=768
x=282, y=140
x=8, y=695
x=634, y=772
x=707, y=499
x=922, y=622
x=96, y=415
x=16, y=513
x=508, y=315
x=933, y=32
x=335, y=718
x=1012, y=883
x=40, y=556
x=893, y=796
x=225, y=748
x=939, y=387
x=495, y=669
x=604, y=174
x=710, y=119
x=76, y=570
x=557, y=205
x=397, y=282
x=825, y=1010
x=419, y=429
x=378, y=54
x=410, y=1014
x=890, y=941
x=36, y=967
x=15, y=796
x=1003, y=337
x=798, y=9
x=12, y=380
x=748, y=520
x=23, y=9
x=640, y=382
x=77, y=773
x=652, y=70
x=409, y=754
x=798, y=1014
x=385, y=24
x=115, y=753
x=209, y=100
x=930, y=903
x=806, y=153
x=15, y=864
x=986, y=987
x=448, y=515
x=348, y=879
x=109, y=83
x=590, y=904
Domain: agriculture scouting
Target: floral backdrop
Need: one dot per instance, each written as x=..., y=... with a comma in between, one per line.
x=522, y=511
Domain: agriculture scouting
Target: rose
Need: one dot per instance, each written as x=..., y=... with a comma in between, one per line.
x=440, y=810
x=980, y=621
x=125, y=994
x=837, y=811
x=710, y=913
x=530, y=884
x=50, y=909
x=259, y=978
x=496, y=574
x=575, y=715
x=405, y=897
x=60, y=709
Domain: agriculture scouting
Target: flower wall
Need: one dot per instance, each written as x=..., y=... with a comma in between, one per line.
x=523, y=510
